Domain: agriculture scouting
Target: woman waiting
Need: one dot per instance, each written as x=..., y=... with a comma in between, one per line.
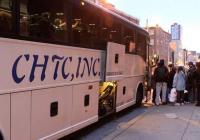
x=179, y=84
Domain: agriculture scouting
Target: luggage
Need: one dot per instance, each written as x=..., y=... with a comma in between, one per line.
x=172, y=95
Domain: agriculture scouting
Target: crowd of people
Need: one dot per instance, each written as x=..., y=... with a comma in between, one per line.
x=184, y=81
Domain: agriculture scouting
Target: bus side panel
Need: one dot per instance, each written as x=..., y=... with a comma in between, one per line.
x=20, y=115
x=121, y=97
x=115, y=61
x=51, y=113
x=85, y=104
x=5, y=116
x=134, y=66
x=126, y=92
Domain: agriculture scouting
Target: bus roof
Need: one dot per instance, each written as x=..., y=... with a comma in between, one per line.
x=140, y=29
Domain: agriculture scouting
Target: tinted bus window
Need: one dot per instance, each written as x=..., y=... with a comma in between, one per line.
x=44, y=19
x=141, y=45
x=111, y=28
x=92, y=27
x=129, y=40
x=5, y=16
x=86, y=26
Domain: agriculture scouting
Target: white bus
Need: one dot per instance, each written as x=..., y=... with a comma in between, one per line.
x=64, y=64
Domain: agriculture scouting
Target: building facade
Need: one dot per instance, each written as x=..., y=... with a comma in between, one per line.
x=159, y=43
x=192, y=56
x=176, y=52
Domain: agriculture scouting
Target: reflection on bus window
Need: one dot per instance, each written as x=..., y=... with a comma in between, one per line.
x=132, y=47
x=93, y=28
x=85, y=26
x=44, y=19
x=129, y=40
x=141, y=45
x=5, y=16
x=111, y=29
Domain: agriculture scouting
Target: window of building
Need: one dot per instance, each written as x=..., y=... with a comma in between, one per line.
x=152, y=41
x=151, y=32
x=5, y=16
x=44, y=19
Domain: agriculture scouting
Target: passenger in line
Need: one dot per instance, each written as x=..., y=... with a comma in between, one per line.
x=160, y=75
x=190, y=86
x=197, y=82
x=153, y=85
x=179, y=84
x=172, y=72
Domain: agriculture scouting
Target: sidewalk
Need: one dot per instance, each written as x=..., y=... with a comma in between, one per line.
x=161, y=123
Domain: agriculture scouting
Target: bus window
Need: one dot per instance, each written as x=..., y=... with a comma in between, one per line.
x=86, y=26
x=115, y=33
x=141, y=44
x=129, y=40
x=44, y=19
x=111, y=30
x=5, y=16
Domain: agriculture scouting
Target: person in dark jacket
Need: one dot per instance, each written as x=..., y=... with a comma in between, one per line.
x=170, y=79
x=160, y=76
x=190, y=85
x=197, y=82
x=153, y=86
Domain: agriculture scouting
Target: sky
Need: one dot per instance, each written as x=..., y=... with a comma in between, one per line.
x=165, y=13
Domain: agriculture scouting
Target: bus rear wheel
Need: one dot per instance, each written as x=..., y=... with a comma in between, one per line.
x=139, y=96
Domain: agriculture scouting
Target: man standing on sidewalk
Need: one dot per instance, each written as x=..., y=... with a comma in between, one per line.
x=190, y=84
x=160, y=75
x=197, y=82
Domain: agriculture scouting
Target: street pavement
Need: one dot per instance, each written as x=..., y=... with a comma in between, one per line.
x=165, y=122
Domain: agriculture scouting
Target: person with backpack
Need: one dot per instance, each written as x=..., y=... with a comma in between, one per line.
x=179, y=84
x=160, y=75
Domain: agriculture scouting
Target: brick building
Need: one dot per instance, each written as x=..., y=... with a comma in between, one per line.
x=159, y=43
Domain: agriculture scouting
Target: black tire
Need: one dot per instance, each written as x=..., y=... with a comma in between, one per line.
x=139, y=96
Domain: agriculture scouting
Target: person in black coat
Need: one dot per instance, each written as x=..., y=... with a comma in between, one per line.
x=190, y=83
x=160, y=76
x=172, y=72
x=197, y=82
